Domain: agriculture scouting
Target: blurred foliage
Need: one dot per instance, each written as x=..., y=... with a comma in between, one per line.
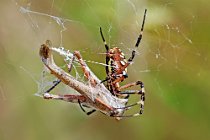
x=172, y=61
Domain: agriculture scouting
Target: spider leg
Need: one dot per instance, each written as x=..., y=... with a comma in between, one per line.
x=88, y=113
x=141, y=92
x=139, y=38
x=54, y=85
x=107, y=51
x=102, y=36
x=129, y=107
x=137, y=43
x=105, y=80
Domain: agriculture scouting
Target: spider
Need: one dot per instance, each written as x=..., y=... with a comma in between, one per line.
x=116, y=70
x=93, y=95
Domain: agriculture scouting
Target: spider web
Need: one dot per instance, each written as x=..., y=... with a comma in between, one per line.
x=165, y=47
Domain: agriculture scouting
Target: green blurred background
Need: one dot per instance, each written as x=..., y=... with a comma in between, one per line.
x=172, y=61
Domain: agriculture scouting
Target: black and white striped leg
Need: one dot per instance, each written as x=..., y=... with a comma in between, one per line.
x=107, y=50
x=140, y=102
x=139, y=38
